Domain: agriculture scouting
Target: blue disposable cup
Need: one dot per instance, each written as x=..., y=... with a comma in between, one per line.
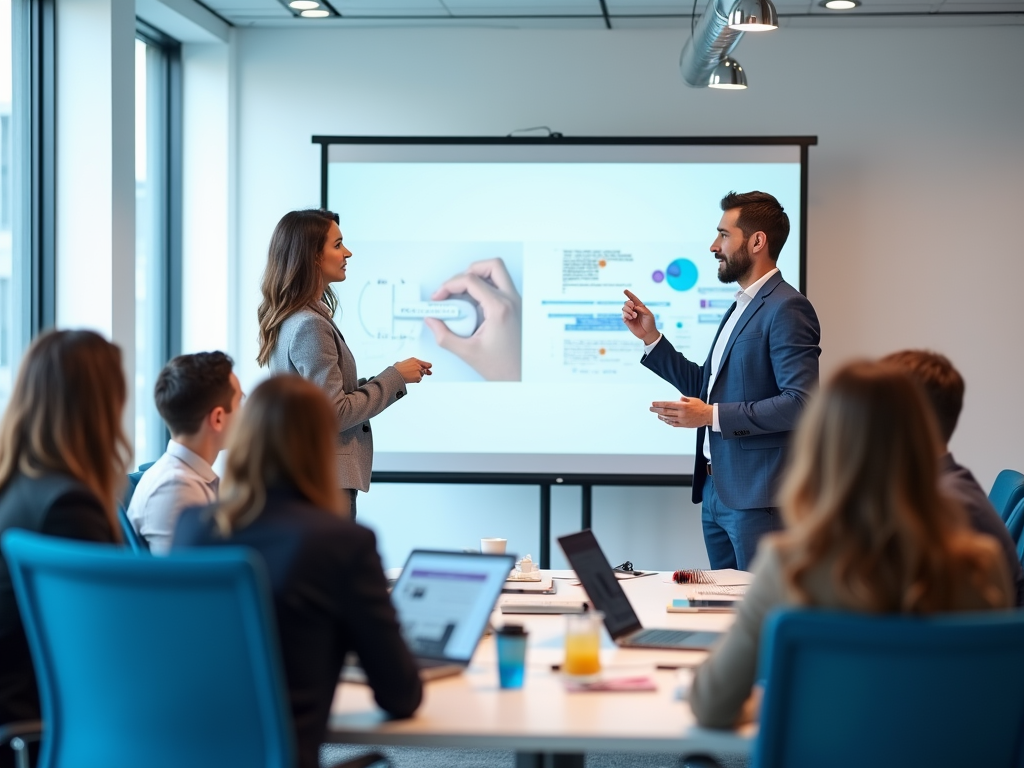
x=511, y=655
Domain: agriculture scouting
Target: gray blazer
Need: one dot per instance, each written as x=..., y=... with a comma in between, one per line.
x=311, y=346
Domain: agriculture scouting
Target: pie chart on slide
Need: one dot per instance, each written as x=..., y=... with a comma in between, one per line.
x=681, y=274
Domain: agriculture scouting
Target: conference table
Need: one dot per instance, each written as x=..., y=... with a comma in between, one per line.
x=546, y=725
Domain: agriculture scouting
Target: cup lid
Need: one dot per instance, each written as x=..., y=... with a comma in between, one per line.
x=511, y=629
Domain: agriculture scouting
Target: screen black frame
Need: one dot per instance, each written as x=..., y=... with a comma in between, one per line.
x=559, y=478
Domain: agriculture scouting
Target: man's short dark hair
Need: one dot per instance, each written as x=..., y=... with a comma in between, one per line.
x=941, y=382
x=190, y=386
x=760, y=212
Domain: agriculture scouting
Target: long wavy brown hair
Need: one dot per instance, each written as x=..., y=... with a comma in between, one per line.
x=862, y=491
x=284, y=437
x=292, y=279
x=64, y=416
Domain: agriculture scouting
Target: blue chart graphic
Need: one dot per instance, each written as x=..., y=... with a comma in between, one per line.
x=681, y=274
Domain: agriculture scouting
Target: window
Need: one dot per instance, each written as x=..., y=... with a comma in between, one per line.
x=157, y=227
x=15, y=198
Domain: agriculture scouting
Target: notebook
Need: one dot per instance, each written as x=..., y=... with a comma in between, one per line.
x=444, y=601
x=596, y=575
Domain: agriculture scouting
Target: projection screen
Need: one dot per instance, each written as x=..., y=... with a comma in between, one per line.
x=503, y=262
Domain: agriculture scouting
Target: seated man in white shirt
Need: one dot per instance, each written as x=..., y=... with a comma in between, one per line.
x=197, y=397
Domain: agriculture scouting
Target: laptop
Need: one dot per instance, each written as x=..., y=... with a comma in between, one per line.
x=606, y=593
x=444, y=601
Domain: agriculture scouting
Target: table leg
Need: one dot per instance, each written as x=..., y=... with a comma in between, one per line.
x=549, y=760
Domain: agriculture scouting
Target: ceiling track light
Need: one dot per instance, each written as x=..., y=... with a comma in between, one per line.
x=713, y=39
x=754, y=16
x=310, y=9
x=728, y=75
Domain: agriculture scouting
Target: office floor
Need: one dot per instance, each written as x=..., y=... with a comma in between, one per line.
x=410, y=757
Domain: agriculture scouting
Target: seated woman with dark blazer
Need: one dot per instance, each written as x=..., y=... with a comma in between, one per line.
x=867, y=530
x=280, y=497
x=63, y=458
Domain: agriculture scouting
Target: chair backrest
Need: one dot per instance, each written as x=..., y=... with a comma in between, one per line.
x=134, y=541
x=1015, y=521
x=1007, y=491
x=849, y=690
x=149, y=660
x=133, y=483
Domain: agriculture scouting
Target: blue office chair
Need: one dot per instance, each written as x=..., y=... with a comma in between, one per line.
x=133, y=483
x=1007, y=492
x=132, y=539
x=155, y=661
x=151, y=661
x=851, y=690
x=1020, y=549
x=1015, y=521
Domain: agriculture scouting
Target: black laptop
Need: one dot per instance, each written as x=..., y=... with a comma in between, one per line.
x=605, y=592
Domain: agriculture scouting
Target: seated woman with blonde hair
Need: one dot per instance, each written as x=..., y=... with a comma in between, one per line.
x=63, y=458
x=866, y=530
x=280, y=497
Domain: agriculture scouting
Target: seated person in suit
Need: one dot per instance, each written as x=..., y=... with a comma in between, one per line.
x=944, y=387
x=281, y=497
x=197, y=397
x=867, y=530
x=63, y=457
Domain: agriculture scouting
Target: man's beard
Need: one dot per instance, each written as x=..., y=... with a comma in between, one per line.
x=732, y=268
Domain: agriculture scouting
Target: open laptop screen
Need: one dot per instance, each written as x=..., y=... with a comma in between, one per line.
x=598, y=579
x=444, y=600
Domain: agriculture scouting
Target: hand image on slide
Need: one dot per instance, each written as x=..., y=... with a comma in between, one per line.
x=494, y=350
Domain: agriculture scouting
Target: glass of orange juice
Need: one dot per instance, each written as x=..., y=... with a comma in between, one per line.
x=583, y=645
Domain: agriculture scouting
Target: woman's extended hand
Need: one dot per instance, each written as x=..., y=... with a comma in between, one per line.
x=413, y=370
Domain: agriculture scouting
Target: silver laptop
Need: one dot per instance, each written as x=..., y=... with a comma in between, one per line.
x=605, y=592
x=444, y=601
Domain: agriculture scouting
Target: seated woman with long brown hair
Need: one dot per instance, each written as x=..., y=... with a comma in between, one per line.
x=867, y=530
x=63, y=458
x=280, y=497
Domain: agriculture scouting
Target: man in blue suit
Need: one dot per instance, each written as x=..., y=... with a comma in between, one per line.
x=746, y=398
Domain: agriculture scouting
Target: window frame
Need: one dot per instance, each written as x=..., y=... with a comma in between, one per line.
x=171, y=192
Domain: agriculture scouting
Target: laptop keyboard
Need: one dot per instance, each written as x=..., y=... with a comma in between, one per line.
x=660, y=637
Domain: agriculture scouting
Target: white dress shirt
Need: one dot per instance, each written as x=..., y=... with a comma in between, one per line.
x=743, y=298
x=178, y=479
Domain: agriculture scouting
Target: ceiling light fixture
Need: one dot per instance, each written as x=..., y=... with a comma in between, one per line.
x=315, y=14
x=303, y=5
x=754, y=16
x=839, y=5
x=728, y=75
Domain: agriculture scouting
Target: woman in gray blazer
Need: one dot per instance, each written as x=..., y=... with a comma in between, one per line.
x=298, y=336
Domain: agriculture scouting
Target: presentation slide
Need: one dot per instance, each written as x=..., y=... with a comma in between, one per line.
x=505, y=265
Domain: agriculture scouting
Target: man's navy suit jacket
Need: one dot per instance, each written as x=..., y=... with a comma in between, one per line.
x=768, y=370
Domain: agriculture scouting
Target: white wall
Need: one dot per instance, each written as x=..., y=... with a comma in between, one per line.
x=915, y=193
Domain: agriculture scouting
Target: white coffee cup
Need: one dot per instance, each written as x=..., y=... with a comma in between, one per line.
x=493, y=546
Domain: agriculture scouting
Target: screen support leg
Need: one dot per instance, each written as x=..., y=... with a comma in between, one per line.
x=586, y=499
x=545, y=525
